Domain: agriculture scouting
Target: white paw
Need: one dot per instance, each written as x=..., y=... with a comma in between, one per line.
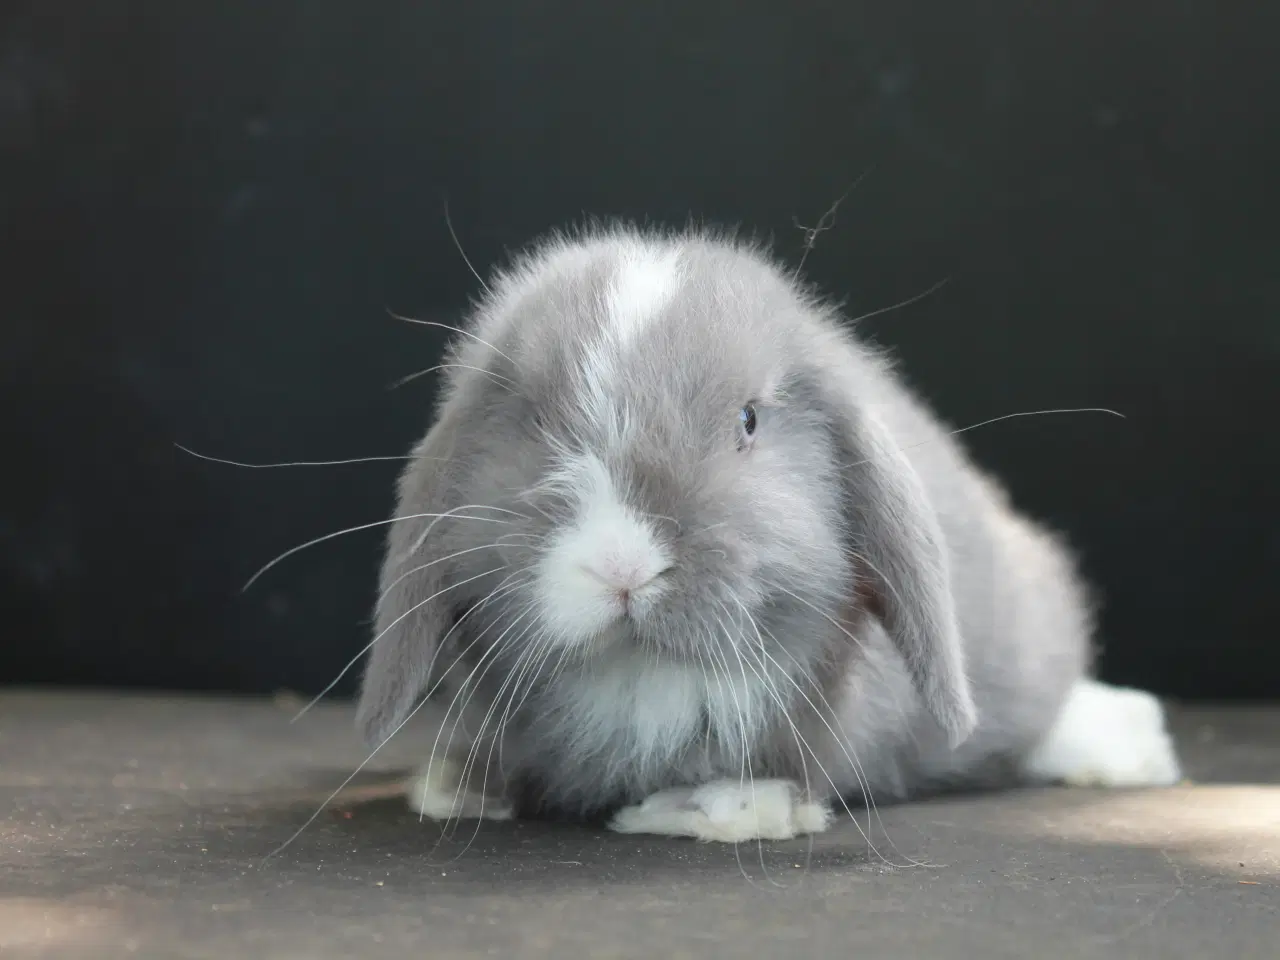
x=434, y=793
x=1107, y=736
x=726, y=810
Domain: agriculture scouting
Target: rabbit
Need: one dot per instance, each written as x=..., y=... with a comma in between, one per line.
x=684, y=555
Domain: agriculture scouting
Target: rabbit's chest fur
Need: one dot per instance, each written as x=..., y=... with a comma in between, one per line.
x=629, y=723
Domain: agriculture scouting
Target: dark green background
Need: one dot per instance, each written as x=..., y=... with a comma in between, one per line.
x=208, y=208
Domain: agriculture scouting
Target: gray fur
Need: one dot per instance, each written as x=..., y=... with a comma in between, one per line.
x=852, y=489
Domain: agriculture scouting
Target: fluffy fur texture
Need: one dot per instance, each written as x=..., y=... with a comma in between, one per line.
x=680, y=548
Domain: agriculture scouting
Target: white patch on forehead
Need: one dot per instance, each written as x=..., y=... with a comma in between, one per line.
x=643, y=285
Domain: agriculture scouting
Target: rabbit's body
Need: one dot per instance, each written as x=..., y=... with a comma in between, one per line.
x=709, y=561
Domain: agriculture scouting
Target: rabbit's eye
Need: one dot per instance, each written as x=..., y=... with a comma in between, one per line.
x=747, y=421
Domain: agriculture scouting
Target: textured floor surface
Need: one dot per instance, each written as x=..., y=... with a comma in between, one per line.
x=137, y=826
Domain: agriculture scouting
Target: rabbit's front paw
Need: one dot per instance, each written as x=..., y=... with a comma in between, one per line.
x=729, y=811
x=437, y=792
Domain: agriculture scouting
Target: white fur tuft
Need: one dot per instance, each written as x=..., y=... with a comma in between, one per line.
x=644, y=285
x=1107, y=736
x=726, y=810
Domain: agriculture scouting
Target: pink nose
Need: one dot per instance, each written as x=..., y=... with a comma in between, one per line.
x=623, y=581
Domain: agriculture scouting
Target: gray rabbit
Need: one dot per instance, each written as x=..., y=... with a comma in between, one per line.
x=682, y=552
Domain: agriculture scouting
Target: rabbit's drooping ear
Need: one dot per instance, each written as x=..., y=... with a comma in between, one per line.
x=899, y=541
x=411, y=616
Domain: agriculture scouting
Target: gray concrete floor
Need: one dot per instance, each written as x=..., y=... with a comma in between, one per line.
x=136, y=826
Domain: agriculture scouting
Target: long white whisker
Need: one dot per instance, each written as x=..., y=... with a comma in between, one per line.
x=772, y=689
x=564, y=660
x=818, y=610
x=1007, y=416
x=523, y=662
x=904, y=303
x=541, y=642
x=369, y=646
x=842, y=740
x=506, y=381
x=422, y=538
x=342, y=786
x=448, y=222
x=357, y=529
x=746, y=686
x=382, y=595
x=465, y=333
x=298, y=463
x=506, y=588
x=713, y=649
x=364, y=763
x=708, y=671
x=544, y=640
x=537, y=653
x=487, y=659
x=473, y=751
x=745, y=767
x=863, y=784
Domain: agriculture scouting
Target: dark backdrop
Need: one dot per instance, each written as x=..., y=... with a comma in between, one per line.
x=209, y=207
